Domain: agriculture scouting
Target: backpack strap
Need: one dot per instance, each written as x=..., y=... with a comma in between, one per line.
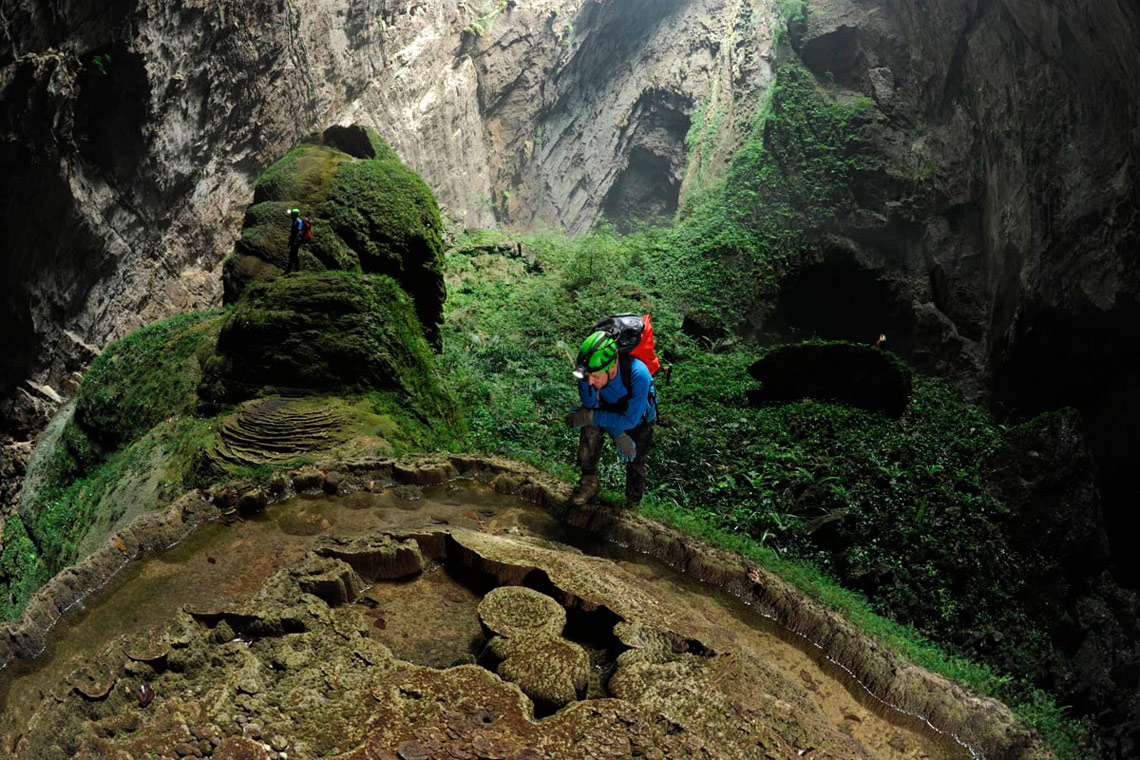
x=625, y=369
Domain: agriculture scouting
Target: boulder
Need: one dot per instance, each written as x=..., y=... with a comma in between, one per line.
x=518, y=611
x=549, y=669
x=325, y=332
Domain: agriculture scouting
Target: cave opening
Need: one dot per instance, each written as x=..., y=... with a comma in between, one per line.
x=840, y=300
x=645, y=191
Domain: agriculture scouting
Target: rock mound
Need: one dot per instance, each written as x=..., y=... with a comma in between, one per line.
x=846, y=373
x=370, y=213
x=519, y=611
x=336, y=332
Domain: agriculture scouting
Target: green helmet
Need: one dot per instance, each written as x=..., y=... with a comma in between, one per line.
x=597, y=354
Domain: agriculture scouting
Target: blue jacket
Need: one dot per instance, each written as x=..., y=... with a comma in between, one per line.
x=642, y=399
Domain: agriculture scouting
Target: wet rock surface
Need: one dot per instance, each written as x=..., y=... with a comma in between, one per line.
x=300, y=669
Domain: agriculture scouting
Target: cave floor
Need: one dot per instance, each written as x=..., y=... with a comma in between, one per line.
x=690, y=672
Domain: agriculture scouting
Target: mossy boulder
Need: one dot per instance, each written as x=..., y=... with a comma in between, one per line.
x=326, y=332
x=846, y=373
x=519, y=611
x=370, y=213
x=140, y=381
x=549, y=669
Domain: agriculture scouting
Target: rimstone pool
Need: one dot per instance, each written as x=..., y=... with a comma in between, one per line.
x=296, y=632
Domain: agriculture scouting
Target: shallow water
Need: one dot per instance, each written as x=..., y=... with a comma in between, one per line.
x=219, y=562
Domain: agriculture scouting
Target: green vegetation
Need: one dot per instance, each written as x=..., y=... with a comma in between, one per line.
x=371, y=215
x=386, y=214
x=889, y=521
x=482, y=23
x=736, y=237
x=302, y=177
x=132, y=444
x=321, y=332
x=22, y=570
x=139, y=381
x=790, y=10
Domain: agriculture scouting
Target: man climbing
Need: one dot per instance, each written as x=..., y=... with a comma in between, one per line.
x=617, y=395
x=296, y=237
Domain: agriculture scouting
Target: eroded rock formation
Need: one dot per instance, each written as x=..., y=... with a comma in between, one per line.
x=299, y=668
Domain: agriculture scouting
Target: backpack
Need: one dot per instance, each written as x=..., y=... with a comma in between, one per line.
x=306, y=231
x=634, y=336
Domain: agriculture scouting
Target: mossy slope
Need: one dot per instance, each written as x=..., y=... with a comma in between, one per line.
x=153, y=415
x=129, y=447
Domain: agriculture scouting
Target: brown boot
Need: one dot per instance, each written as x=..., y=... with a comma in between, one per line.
x=588, y=487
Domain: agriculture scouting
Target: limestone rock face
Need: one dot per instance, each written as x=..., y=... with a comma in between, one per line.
x=997, y=225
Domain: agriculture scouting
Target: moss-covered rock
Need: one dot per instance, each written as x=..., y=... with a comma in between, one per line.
x=549, y=669
x=369, y=213
x=326, y=332
x=519, y=611
x=139, y=381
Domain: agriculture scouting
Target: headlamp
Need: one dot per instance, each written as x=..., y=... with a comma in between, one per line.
x=580, y=373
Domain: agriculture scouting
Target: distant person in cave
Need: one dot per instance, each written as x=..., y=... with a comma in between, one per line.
x=617, y=397
x=296, y=237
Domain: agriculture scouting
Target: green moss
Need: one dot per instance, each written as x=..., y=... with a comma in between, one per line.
x=74, y=511
x=22, y=570
x=368, y=214
x=140, y=380
x=302, y=177
x=737, y=236
x=389, y=217
x=914, y=535
x=327, y=332
x=131, y=445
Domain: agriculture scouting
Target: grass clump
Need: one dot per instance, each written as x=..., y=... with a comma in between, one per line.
x=22, y=569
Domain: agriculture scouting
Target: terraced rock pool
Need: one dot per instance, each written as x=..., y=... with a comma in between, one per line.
x=660, y=666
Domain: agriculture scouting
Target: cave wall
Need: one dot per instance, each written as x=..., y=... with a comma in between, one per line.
x=1002, y=207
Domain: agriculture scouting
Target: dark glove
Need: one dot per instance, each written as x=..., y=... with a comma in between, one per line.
x=626, y=447
x=580, y=418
